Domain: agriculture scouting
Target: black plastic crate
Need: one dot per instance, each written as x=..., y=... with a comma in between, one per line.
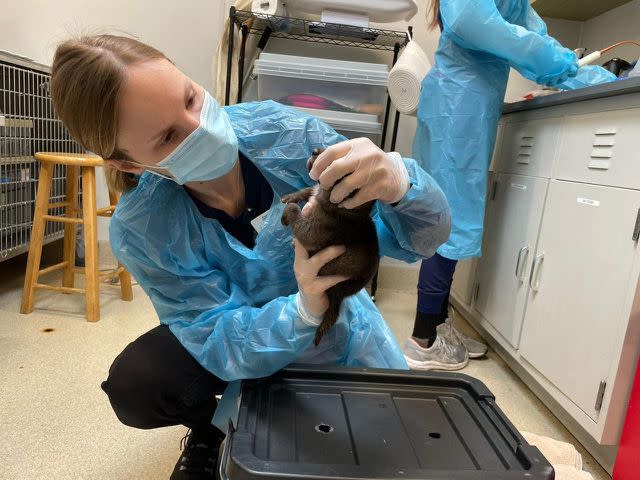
x=338, y=423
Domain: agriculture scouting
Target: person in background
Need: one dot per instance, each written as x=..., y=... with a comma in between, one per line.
x=460, y=105
x=233, y=303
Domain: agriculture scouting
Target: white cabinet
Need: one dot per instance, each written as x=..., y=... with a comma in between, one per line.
x=512, y=222
x=579, y=285
x=557, y=286
x=463, y=280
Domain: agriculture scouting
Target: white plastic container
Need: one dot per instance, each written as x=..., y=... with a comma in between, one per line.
x=351, y=125
x=385, y=11
x=322, y=84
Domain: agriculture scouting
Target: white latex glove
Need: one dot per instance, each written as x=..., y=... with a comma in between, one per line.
x=361, y=165
x=312, y=298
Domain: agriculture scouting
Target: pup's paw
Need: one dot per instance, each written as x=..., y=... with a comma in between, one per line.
x=291, y=214
x=316, y=152
x=290, y=198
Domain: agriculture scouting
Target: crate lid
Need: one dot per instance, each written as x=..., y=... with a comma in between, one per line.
x=309, y=422
x=13, y=59
x=353, y=122
x=323, y=69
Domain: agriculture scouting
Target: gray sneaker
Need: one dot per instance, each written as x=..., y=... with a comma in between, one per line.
x=475, y=348
x=446, y=353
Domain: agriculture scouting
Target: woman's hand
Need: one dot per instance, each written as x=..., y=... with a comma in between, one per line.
x=359, y=164
x=313, y=287
x=563, y=66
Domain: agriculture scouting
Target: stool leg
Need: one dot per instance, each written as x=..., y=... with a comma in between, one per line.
x=70, y=229
x=90, y=223
x=126, y=293
x=37, y=237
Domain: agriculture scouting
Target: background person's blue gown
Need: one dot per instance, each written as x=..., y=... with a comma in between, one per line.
x=462, y=98
x=233, y=308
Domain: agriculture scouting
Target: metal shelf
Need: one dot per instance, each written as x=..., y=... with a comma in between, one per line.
x=268, y=26
x=314, y=31
x=321, y=32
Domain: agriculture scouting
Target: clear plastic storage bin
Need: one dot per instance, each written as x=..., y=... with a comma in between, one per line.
x=322, y=84
x=351, y=125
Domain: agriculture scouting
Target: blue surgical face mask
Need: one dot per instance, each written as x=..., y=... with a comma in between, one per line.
x=209, y=152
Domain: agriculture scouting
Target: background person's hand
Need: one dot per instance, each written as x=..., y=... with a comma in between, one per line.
x=358, y=164
x=562, y=66
x=311, y=286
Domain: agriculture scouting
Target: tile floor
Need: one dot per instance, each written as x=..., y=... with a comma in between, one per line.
x=56, y=423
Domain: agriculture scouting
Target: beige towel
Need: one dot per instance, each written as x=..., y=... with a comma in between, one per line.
x=567, y=472
x=558, y=453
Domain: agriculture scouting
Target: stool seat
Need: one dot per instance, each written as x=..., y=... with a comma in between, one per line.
x=76, y=163
x=75, y=159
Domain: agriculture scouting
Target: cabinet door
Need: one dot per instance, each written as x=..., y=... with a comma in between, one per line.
x=511, y=229
x=579, y=284
x=497, y=149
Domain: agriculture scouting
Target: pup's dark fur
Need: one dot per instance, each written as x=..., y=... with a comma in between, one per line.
x=329, y=225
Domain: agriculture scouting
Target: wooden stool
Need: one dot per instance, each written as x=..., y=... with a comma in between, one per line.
x=89, y=220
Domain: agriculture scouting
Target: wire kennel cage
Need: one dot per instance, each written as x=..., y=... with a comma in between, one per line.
x=28, y=125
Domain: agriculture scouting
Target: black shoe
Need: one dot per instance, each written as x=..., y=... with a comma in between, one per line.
x=199, y=455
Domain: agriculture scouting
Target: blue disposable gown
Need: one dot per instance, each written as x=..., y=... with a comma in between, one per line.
x=233, y=308
x=462, y=97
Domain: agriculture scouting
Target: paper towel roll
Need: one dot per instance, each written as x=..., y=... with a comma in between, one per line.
x=405, y=78
x=268, y=7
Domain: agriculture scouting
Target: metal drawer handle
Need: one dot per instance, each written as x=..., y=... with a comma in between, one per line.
x=534, y=279
x=523, y=251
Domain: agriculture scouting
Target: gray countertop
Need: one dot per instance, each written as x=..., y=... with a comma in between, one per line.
x=620, y=87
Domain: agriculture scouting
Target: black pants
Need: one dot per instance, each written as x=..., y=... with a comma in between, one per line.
x=434, y=285
x=155, y=383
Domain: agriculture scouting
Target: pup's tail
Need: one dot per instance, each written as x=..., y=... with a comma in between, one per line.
x=329, y=319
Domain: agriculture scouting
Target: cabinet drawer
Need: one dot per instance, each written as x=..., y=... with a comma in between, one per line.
x=602, y=149
x=528, y=148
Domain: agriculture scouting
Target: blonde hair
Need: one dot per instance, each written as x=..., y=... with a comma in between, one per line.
x=432, y=14
x=87, y=76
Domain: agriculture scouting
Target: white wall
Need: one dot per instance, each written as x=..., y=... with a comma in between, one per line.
x=622, y=23
x=187, y=32
x=567, y=32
